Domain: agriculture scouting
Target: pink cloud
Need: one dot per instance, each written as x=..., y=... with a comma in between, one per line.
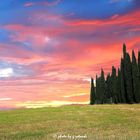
x=128, y=19
x=28, y=4
x=55, y=2
x=46, y=3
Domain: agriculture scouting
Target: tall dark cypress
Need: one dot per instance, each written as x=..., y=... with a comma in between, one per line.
x=123, y=85
x=102, y=87
x=124, y=50
x=97, y=89
x=92, y=92
x=139, y=63
x=118, y=85
x=108, y=88
x=114, y=85
x=105, y=100
x=128, y=78
x=135, y=75
x=139, y=72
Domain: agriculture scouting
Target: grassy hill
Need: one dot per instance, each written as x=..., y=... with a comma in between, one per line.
x=98, y=122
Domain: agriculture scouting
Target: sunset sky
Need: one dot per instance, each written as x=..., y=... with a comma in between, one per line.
x=49, y=49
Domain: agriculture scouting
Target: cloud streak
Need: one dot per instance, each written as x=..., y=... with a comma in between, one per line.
x=45, y=3
x=5, y=99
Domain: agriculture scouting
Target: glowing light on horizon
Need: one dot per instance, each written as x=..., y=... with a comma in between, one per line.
x=73, y=95
x=40, y=104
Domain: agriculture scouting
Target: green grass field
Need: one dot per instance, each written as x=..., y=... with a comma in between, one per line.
x=98, y=122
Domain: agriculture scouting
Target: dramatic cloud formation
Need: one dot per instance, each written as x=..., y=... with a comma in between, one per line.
x=50, y=49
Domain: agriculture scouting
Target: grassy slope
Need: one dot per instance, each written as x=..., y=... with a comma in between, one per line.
x=97, y=122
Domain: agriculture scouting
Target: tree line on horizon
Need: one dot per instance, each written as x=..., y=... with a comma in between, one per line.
x=122, y=85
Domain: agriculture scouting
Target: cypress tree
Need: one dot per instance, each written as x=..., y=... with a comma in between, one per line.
x=97, y=89
x=102, y=87
x=139, y=62
x=123, y=85
x=135, y=75
x=92, y=92
x=108, y=88
x=119, y=86
x=124, y=50
x=105, y=100
x=111, y=89
x=114, y=85
x=128, y=78
x=139, y=72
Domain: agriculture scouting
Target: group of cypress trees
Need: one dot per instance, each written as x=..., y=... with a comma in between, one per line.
x=121, y=86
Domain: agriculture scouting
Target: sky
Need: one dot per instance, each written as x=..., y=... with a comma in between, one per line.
x=49, y=49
